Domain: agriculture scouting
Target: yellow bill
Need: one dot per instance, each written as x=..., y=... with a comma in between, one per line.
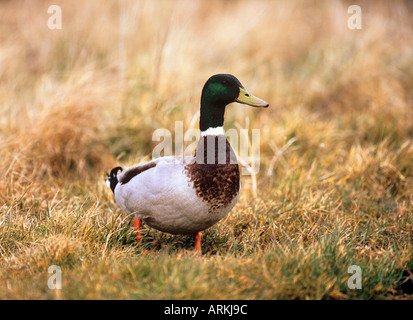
x=247, y=98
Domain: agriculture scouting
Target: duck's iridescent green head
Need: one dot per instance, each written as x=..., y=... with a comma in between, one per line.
x=218, y=92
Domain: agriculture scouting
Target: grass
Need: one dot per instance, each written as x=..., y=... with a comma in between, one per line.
x=336, y=178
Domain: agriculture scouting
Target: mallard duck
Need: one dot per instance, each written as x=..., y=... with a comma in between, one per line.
x=186, y=195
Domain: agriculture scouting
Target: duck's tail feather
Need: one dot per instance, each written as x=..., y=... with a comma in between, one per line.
x=112, y=178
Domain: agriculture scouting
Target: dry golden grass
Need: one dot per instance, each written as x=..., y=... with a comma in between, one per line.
x=336, y=181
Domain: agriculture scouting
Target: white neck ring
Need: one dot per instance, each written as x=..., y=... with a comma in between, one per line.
x=213, y=131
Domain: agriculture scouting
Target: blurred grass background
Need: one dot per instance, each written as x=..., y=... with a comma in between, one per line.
x=336, y=180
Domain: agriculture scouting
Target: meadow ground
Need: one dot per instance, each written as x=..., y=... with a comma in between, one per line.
x=335, y=186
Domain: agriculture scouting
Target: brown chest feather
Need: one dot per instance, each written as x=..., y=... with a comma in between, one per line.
x=215, y=173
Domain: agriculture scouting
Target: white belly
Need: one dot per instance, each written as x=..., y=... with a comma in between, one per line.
x=165, y=199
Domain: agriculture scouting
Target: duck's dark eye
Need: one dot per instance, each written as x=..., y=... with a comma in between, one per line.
x=225, y=82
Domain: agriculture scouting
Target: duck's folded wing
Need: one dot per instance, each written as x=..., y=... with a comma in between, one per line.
x=127, y=175
x=153, y=184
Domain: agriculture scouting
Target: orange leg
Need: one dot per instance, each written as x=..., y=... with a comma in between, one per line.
x=197, y=238
x=137, y=226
